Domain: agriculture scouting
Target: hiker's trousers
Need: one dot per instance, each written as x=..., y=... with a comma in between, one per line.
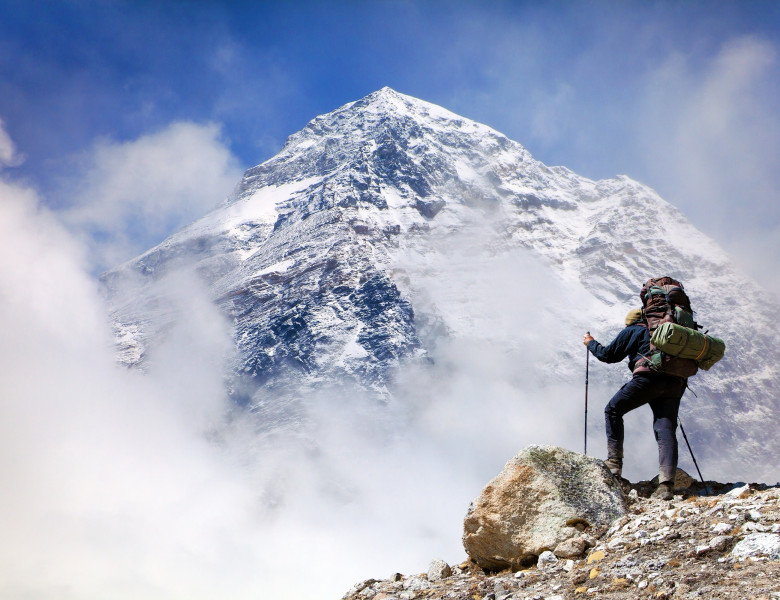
x=663, y=394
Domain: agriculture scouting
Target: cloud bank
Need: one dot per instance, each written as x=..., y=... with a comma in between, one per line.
x=124, y=484
x=121, y=484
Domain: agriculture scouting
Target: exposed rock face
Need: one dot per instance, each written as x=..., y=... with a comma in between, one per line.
x=545, y=499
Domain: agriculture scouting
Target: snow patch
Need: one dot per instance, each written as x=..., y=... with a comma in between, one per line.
x=279, y=267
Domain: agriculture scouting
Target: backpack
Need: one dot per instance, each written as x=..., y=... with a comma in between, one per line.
x=683, y=342
x=664, y=301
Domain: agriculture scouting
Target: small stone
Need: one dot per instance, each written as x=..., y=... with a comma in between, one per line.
x=571, y=548
x=596, y=556
x=546, y=559
x=738, y=518
x=396, y=577
x=579, y=577
x=416, y=583
x=752, y=526
x=739, y=492
x=619, y=583
x=439, y=570
x=594, y=572
x=721, y=528
x=618, y=525
x=754, y=515
x=568, y=566
x=721, y=542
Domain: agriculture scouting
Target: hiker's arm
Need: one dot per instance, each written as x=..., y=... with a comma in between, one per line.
x=615, y=351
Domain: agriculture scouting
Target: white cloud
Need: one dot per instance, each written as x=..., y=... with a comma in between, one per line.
x=111, y=487
x=105, y=482
x=130, y=195
x=8, y=154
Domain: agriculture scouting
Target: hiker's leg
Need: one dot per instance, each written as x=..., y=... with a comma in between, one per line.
x=665, y=409
x=632, y=395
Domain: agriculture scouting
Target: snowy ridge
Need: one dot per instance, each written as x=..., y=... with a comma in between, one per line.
x=324, y=255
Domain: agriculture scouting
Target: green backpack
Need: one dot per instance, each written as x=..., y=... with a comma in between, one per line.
x=676, y=345
x=687, y=343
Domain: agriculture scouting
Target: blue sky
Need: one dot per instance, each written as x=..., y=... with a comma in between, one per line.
x=679, y=95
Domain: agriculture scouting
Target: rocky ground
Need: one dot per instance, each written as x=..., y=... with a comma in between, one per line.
x=720, y=543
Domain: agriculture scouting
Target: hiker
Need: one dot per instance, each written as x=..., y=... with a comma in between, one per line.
x=662, y=392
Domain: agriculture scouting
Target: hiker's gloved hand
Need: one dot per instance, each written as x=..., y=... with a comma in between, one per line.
x=587, y=339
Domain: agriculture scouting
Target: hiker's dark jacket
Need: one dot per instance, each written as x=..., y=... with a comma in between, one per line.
x=633, y=341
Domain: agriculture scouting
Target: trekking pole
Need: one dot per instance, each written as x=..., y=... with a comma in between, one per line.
x=587, y=365
x=706, y=489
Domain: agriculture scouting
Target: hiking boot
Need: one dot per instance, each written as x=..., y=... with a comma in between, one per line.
x=615, y=466
x=664, y=491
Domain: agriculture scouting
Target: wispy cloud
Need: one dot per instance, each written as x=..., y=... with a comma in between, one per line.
x=9, y=157
x=127, y=196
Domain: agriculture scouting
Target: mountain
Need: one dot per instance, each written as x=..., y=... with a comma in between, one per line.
x=391, y=238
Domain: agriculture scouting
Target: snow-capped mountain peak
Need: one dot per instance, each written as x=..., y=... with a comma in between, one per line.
x=391, y=224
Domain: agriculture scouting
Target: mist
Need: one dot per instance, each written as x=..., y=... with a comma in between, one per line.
x=121, y=483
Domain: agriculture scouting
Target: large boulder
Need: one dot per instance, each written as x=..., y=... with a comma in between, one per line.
x=544, y=496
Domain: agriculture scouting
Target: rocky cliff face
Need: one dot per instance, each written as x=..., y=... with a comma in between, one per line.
x=710, y=541
x=324, y=258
